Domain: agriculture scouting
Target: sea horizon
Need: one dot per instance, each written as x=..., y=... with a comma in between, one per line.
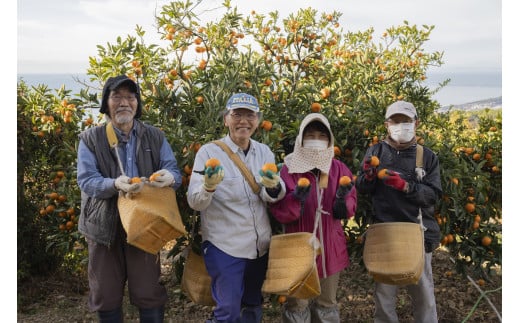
x=463, y=87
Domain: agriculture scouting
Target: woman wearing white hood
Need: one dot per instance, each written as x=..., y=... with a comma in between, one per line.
x=313, y=159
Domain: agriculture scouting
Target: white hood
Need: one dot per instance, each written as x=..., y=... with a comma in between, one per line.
x=302, y=159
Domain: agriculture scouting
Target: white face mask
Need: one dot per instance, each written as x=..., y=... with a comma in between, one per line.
x=402, y=132
x=315, y=144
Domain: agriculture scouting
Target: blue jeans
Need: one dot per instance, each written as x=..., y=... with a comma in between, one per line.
x=235, y=283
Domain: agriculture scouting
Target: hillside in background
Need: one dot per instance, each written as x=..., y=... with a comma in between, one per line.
x=493, y=103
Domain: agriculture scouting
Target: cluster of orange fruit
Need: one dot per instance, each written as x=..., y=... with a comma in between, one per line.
x=152, y=178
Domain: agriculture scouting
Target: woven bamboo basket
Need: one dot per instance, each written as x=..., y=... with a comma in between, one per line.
x=151, y=218
x=394, y=252
x=291, y=269
x=196, y=282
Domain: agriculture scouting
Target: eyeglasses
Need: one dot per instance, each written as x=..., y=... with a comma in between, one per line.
x=119, y=98
x=247, y=116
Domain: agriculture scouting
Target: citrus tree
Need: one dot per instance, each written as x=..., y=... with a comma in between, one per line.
x=303, y=63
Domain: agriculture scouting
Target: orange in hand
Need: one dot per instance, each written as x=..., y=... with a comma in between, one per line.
x=153, y=177
x=374, y=161
x=382, y=173
x=303, y=182
x=134, y=180
x=269, y=166
x=345, y=180
x=212, y=163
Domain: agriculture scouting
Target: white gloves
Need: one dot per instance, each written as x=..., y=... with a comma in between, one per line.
x=270, y=182
x=269, y=178
x=123, y=184
x=212, y=177
x=162, y=178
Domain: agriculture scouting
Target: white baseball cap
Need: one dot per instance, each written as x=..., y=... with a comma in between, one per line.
x=401, y=107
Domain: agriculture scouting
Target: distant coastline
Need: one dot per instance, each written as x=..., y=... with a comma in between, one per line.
x=463, y=88
x=56, y=81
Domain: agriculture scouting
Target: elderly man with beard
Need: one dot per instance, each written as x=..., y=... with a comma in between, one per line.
x=142, y=150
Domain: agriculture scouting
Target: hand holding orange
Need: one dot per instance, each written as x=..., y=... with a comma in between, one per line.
x=303, y=182
x=269, y=167
x=212, y=162
x=269, y=172
x=374, y=161
x=212, y=166
x=135, y=180
x=345, y=181
x=382, y=173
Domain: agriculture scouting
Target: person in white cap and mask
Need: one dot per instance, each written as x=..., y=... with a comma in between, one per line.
x=397, y=196
x=322, y=203
x=235, y=225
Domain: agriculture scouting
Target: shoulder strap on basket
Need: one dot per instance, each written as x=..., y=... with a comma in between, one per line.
x=419, y=165
x=419, y=156
x=240, y=164
x=111, y=135
x=112, y=141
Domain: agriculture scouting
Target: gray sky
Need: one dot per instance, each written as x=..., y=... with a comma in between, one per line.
x=57, y=36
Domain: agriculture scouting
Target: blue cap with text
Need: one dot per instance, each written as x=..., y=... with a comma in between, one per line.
x=244, y=101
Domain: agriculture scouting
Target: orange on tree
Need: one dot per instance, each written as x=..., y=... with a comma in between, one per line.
x=486, y=241
x=50, y=208
x=475, y=225
x=195, y=146
x=282, y=299
x=187, y=169
x=303, y=182
x=69, y=225
x=212, y=163
x=267, y=125
x=337, y=151
x=444, y=240
x=325, y=92
x=315, y=107
x=269, y=167
x=53, y=196
x=470, y=207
